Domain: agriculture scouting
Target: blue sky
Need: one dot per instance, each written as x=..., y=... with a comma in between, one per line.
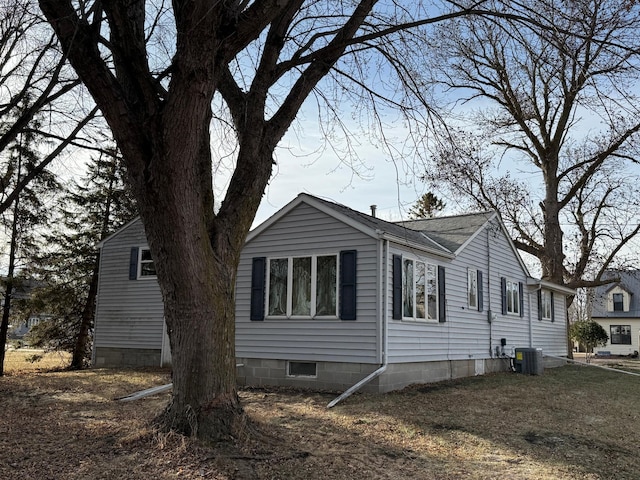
x=385, y=184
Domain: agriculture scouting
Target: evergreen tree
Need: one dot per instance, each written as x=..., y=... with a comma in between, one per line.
x=22, y=221
x=90, y=211
x=427, y=206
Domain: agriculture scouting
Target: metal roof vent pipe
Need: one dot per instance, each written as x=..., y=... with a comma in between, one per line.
x=373, y=210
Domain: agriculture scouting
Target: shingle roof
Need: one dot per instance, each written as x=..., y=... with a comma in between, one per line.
x=447, y=234
x=630, y=281
x=450, y=232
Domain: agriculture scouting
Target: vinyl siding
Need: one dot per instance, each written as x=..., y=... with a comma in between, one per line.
x=467, y=332
x=503, y=263
x=129, y=313
x=307, y=231
x=548, y=335
x=619, y=349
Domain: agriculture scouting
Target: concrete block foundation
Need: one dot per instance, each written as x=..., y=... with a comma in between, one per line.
x=336, y=376
x=126, y=357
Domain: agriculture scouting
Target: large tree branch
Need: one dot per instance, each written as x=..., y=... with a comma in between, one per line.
x=593, y=164
x=44, y=163
x=79, y=41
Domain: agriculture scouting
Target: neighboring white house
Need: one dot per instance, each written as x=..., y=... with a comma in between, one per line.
x=326, y=295
x=615, y=306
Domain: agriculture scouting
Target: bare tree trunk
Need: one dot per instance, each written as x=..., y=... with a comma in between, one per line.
x=6, y=308
x=82, y=341
x=4, y=326
x=164, y=139
x=201, y=320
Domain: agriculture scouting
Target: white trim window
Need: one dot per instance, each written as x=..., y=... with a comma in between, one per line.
x=545, y=305
x=618, y=302
x=472, y=288
x=303, y=287
x=511, y=301
x=146, y=267
x=419, y=290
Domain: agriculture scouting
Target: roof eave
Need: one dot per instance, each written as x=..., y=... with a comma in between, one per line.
x=535, y=282
x=417, y=246
x=309, y=200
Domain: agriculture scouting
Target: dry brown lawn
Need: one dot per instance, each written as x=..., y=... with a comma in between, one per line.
x=570, y=423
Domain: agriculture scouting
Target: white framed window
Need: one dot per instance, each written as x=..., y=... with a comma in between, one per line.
x=545, y=305
x=303, y=287
x=419, y=290
x=146, y=267
x=513, y=297
x=618, y=302
x=620, y=334
x=472, y=288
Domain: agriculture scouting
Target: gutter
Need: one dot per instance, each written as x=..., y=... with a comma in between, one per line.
x=444, y=253
x=550, y=286
x=384, y=320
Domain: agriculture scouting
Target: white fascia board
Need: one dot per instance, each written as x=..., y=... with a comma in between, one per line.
x=534, y=282
x=273, y=218
x=118, y=232
x=477, y=232
x=417, y=246
x=511, y=244
x=304, y=198
x=428, y=238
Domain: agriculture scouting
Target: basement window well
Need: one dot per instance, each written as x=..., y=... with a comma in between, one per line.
x=301, y=369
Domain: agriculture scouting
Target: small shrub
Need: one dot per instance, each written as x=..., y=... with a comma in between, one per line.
x=34, y=358
x=590, y=334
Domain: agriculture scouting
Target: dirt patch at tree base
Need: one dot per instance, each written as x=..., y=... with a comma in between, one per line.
x=561, y=425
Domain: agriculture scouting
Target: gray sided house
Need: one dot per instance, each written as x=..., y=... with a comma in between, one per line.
x=327, y=296
x=616, y=307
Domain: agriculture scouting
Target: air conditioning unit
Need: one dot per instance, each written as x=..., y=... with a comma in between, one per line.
x=529, y=361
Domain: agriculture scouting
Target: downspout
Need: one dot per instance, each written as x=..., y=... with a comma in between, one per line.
x=530, y=332
x=489, y=311
x=384, y=321
x=531, y=316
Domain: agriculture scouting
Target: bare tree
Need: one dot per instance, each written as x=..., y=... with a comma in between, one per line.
x=265, y=58
x=21, y=223
x=559, y=105
x=40, y=95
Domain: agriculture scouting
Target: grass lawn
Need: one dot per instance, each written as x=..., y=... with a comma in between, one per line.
x=570, y=423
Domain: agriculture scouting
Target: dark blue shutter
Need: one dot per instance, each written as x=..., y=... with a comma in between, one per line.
x=480, y=297
x=521, y=297
x=553, y=312
x=397, y=287
x=442, y=299
x=133, y=263
x=540, y=305
x=503, y=292
x=348, y=268
x=258, y=271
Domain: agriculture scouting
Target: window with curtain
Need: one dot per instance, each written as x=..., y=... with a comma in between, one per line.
x=419, y=290
x=472, y=287
x=546, y=300
x=303, y=286
x=513, y=297
x=147, y=267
